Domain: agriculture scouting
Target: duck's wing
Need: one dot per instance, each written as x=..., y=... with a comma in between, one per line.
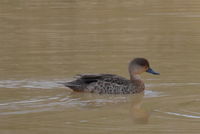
x=82, y=81
x=103, y=77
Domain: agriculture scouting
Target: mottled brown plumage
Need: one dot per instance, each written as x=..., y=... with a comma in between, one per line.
x=112, y=84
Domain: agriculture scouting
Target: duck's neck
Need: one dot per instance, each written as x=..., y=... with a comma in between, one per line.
x=135, y=77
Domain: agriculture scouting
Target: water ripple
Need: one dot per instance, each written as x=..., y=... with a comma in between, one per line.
x=180, y=114
x=29, y=84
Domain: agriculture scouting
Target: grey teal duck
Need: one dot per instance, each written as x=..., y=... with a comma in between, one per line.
x=113, y=84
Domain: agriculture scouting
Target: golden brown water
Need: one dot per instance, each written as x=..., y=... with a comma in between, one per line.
x=43, y=42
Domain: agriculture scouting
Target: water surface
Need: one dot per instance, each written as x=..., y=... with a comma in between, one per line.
x=44, y=42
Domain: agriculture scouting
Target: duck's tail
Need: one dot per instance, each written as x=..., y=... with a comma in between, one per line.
x=74, y=85
x=82, y=81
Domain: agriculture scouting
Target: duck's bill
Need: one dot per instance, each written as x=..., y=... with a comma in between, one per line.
x=152, y=71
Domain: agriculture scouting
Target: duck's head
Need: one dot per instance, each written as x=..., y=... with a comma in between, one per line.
x=140, y=65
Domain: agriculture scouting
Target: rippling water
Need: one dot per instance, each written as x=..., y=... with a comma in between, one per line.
x=45, y=42
x=47, y=102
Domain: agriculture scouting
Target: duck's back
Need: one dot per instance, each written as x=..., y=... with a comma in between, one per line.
x=104, y=84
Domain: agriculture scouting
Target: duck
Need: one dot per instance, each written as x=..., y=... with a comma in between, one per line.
x=111, y=83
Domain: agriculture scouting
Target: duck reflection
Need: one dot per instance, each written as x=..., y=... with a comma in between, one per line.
x=137, y=113
x=133, y=103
